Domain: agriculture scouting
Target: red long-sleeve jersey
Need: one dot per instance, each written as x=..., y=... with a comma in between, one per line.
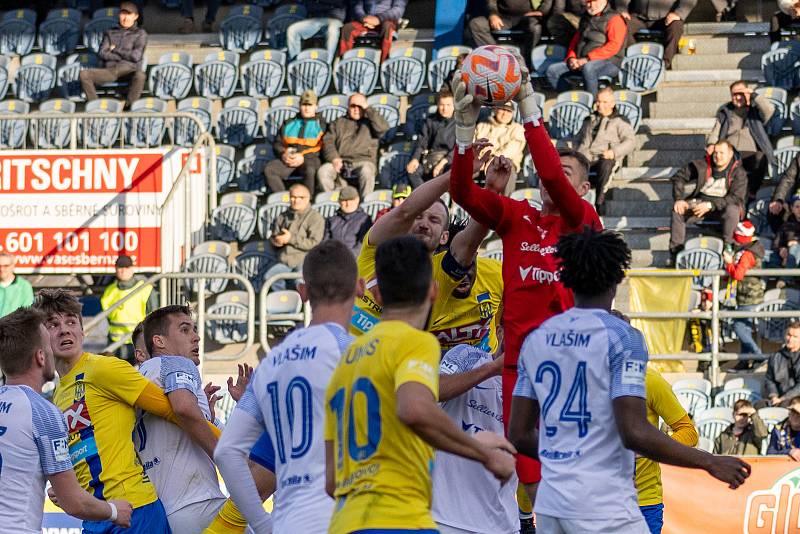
x=532, y=291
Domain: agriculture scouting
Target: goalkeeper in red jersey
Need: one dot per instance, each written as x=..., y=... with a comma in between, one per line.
x=532, y=290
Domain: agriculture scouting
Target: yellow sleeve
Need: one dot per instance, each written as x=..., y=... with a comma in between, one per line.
x=118, y=379
x=418, y=361
x=683, y=431
x=153, y=400
x=663, y=400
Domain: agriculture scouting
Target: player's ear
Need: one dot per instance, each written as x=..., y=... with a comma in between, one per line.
x=40, y=357
x=303, y=290
x=445, y=237
x=158, y=341
x=361, y=287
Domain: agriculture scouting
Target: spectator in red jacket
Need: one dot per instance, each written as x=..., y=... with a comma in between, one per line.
x=596, y=49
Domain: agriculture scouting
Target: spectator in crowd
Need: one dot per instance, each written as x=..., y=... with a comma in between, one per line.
x=123, y=319
x=742, y=123
x=563, y=20
x=782, y=381
x=595, y=50
x=666, y=16
x=605, y=138
x=372, y=16
x=187, y=12
x=521, y=15
x=350, y=148
x=787, y=16
x=298, y=146
x=507, y=138
x=785, y=249
x=781, y=203
x=710, y=188
x=785, y=437
x=294, y=232
x=748, y=253
x=350, y=223
x=320, y=14
x=745, y=435
x=448, y=80
x=122, y=50
x=400, y=193
x=433, y=152
x=15, y=291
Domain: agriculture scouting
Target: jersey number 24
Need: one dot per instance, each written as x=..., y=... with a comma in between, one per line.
x=577, y=394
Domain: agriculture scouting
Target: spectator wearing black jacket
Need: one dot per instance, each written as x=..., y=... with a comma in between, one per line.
x=523, y=15
x=786, y=244
x=350, y=223
x=787, y=16
x=789, y=184
x=666, y=16
x=563, y=20
x=122, y=50
x=433, y=152
x=782, y=382
x=785, y=437
x=713, y=187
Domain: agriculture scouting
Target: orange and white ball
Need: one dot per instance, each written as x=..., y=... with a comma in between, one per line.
x=492, y=74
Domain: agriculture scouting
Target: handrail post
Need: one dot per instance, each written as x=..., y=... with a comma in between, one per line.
x=715, y=331
x=201, y=321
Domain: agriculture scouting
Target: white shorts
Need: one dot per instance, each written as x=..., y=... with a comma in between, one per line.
x=194, y=518
x=546, y=524
x=447, y=529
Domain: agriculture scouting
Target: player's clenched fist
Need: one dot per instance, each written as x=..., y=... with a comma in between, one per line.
x=729, y=469
x=499, y=455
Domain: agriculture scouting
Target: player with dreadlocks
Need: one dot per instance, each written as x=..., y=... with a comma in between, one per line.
x=588, y=368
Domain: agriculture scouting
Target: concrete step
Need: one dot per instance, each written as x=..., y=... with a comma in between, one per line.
x=638, y=208
x=726, y=28
x=632, y=173
x=663, y=158
x=624, y=223
x=669, y=142
x=734, y=60
x=727, y=44
x=714, y=76
x=641, y=191
x=683, y=92
x=688, y=109
x=649, y=258
x=654, y=241
x=673, y=126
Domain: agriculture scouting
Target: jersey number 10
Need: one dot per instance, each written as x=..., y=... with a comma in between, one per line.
x=365, y=387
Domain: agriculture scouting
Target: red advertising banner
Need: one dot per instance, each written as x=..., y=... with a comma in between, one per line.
x=767, y=503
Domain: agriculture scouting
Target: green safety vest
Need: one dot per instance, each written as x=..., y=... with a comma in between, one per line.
x=124, y=318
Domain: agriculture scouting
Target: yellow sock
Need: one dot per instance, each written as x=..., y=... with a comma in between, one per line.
x=228, y=521
x=524, y=503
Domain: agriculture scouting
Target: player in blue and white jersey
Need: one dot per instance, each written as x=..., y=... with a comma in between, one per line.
x=471, y=393
x=286, y=399
x=33, y=435
x=579, y=402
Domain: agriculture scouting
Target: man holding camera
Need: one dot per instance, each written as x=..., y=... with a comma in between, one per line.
x=350, y=148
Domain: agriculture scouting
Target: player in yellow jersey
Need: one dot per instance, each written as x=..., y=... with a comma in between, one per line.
x=382, y=422
x=99, y=396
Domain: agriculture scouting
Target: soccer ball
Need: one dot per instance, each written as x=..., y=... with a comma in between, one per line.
x=491, y=74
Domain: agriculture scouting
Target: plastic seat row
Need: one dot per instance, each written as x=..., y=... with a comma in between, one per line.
x=572, y=107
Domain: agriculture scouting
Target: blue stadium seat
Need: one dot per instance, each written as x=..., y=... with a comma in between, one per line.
x=235, y=217
x=315, y=53
x=60, y=32
x=101, y=132
x=373, y=207
x=780, y=99
x=629, y=105
x=52, y=133
x=421, y=106
x=276, y=204
x=642, y=67
x=583, y=97
x=274, y=118
x=13, y=125
x=36, y=77
x=784, y=156
x=331, y=107
x=241, y=29
x=208, y=257
x=262, y=76
x=700, y=259
x=403, y=73
x=388, y=105
x=543, y=56
x=3, y=77
x=308, y=73
x=17, y=32
x=284, y=16
x=392, y=163
x=171, y=79
x=443, y=64
x=227, y=331
x=225, y=166
x=237, y=123
x=774, y=328
x=94, y=29
x=566, y=119
x=794, y=116
x=254, y=261
x=185, y=131
x=326, y=209
x=250, y=168
x=693, y=400
x=217, y=76
x=146, y=132
x=357, y=72
x=779, y=67
x=728, y=397
x=68, y=75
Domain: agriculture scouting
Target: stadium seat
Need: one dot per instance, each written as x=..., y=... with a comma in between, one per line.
x=392, y=163
x=566, y=119
x=699, y=259
x=779, y=98
x=629, y=105
x=185, y=131
x=705, y=242
x=36, y=77
x=171, y=79
x=705, y=444
x=52, y=133
x=357, y=71
x=254, y=262
x=146, y=132
x=262, y=76
x=309, y=70
x=235, y=217
x=728, y=397
x=693, y=400
x=275, y=116
x=331, y=107
x=373, y=207
x=794, y=116
x=284, y=16
x=60, y=32
x=326, y=196
x=68, y=75
x=642, y=67
x=543, y=56
x=421, y=106
x=582, y=97
x=250, y=169
x=3, y=77
x=443, y=64
x=269, y=212
x=237, y=123
x=102, y=132
x=13, y=126
x=388, y=105
x=285, y=302
x=226, y=331
x=698, y=384
x=17, y=32
x=226, y=164
x=403, y=72
x=217, y=75
x=711, y=428
x=102, y=20
x=779, y=67
x=532, y=195
x=774, y=328
x=773, y=415
x=493, y=254
x=208, y=257
x=751, y=383
x=529, y=171
x=326, y=209
x=784, y=156
x=240, y=30
x=380, y=195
